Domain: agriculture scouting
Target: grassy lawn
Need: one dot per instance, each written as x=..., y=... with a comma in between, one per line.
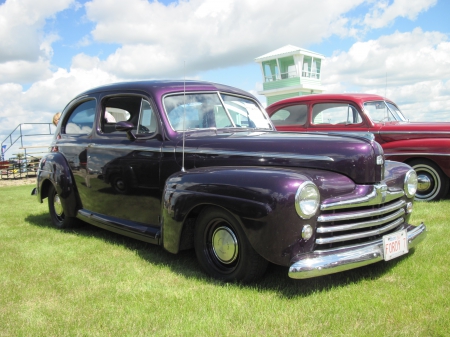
x=89, y=282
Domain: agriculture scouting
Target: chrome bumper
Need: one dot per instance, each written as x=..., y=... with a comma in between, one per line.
x=321, y=263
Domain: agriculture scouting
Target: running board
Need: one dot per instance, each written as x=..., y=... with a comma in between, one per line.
x=135, y=230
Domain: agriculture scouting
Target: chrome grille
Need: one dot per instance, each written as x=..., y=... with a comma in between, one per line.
x=360, y=222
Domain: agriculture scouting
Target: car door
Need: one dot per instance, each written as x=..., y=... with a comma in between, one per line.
x=123, y=174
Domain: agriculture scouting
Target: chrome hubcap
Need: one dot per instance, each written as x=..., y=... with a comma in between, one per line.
x=57, y=205
x=423, y=182
x=225, y=245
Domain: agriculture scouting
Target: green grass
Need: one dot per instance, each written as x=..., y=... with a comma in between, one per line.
x=90, y=282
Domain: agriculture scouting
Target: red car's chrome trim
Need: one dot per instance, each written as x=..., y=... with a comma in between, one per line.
x=416, y=154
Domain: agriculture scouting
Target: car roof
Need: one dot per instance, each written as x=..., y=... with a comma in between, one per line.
x=162, y=87
x=356, y=97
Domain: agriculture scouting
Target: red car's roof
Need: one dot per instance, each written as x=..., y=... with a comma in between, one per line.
x=356, y=97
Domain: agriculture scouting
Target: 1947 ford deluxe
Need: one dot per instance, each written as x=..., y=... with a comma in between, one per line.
x=199, y=165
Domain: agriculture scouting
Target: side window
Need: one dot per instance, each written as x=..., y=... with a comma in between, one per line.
x=290, y=115
x=81, y=119
x=335, y=113
x=147, y=119
x=119, y=109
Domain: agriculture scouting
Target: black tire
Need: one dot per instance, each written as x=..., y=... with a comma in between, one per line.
x=55, y=207
x=433, y=183
x=119, y=185
x=223, y=249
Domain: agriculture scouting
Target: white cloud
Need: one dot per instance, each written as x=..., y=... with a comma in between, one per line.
x=25, y=50
x=24, y=71
x=411, y=67
x=21, y=24
x=383, y=13
x=207, y=34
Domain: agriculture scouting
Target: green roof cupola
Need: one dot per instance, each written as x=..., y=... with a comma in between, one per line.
x=289, y=72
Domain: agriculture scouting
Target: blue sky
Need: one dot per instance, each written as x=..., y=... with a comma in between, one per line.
x=50, y=50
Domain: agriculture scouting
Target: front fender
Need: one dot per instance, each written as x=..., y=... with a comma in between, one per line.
x=261, y=199
x=435, y=149
x=54, y=169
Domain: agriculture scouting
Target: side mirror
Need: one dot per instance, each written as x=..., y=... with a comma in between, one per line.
x=127, y=127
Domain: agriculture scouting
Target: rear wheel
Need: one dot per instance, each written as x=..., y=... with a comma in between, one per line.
x=56, y=209
x=432, y=182
x=223, y=249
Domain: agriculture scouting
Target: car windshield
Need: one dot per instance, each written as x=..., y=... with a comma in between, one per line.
x=381, y=111
x=213, y=110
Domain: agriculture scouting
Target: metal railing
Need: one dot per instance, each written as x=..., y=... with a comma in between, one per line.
x=23, y=138
x=281, y=76
x=291, y=74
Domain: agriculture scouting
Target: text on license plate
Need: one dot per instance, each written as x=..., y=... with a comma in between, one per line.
x=395, y=244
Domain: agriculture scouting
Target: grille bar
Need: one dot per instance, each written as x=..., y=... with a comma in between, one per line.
x=364, y=224
x=361, y=214
x=348, y=237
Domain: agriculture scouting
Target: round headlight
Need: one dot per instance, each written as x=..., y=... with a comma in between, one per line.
x=410, y=183
x=307, y=200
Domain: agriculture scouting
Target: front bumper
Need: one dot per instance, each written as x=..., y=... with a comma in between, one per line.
x=321, y=263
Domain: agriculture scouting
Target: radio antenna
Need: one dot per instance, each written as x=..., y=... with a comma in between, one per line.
x=184, y=116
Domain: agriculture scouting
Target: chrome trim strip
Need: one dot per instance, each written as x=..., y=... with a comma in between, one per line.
x=114, y=147
x=359, y=134
x=348, y=237
x=414, y=132
x=364, y=224
x=200, y=151
x=361, y=214
x=258, y=154
x=319, y=263
x=416, y=154
x=379, y=195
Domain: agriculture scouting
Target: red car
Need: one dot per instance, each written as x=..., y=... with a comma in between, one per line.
x=423, y=145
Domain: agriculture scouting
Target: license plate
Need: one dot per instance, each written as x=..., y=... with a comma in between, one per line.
x=395, y=244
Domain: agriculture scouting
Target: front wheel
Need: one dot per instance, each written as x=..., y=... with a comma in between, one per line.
x=432, y=182
x=59, y=218
x=223, y=249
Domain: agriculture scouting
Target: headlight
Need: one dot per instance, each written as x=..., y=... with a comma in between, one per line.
x=307, y=200
x=410, y=186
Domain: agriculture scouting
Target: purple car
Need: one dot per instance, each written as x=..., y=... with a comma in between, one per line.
x=199, y=165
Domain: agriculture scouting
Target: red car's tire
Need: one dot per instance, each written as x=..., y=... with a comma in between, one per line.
x=433, y=183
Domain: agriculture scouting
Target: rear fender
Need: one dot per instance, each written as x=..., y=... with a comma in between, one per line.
x=54, y=169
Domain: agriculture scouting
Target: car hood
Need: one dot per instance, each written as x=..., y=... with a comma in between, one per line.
x=353, y=156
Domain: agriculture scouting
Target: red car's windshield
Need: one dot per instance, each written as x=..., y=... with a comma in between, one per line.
x=381, y=111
